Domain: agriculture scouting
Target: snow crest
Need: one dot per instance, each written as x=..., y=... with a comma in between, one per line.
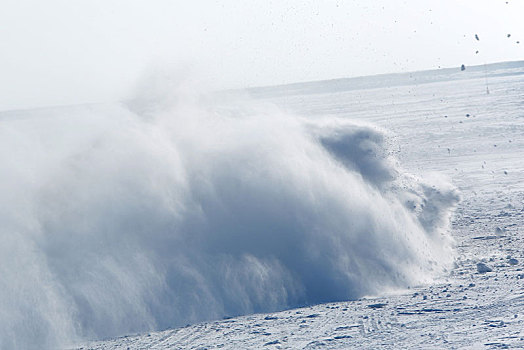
x=119, y=219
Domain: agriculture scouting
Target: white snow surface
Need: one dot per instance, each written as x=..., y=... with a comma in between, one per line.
x=154, y=214
x=452, y=127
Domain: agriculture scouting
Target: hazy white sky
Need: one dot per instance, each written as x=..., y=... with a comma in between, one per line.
x=75, y=51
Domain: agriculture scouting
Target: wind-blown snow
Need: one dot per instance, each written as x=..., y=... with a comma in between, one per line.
x=124, y=218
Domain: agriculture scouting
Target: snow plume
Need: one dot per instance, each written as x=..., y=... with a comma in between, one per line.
x=162, y=212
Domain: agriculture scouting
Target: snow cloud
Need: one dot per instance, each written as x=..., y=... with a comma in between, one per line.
x=181, y=208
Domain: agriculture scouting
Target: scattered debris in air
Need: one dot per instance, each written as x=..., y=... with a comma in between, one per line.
x=508, y=35
x=477, y=37
x=477, y=51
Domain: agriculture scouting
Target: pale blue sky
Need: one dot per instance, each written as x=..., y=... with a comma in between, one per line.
x=75, y=51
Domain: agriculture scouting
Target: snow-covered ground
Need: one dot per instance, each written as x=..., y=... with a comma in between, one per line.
x=180, y=207
x=446, y=125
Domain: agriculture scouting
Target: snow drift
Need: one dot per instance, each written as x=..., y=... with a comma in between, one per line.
x=125, y=218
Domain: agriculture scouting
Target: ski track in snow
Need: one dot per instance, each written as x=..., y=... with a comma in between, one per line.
x=451, y=127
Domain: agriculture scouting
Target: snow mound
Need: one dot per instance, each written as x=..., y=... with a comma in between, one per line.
x=118, y=219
